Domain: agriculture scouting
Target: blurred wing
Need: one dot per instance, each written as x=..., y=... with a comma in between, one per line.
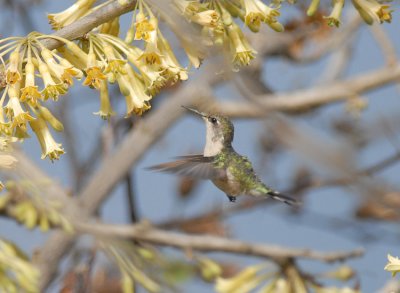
x=195, y=166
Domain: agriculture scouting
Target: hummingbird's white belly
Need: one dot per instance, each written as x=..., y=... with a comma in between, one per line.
x=228, y=185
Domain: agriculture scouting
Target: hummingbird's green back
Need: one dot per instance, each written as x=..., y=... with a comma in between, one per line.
x=240, y=169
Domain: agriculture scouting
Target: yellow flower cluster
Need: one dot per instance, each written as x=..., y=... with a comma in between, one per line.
x=290, y=279
x=139, y=73
x=216, y=21
x=17, y=274
x=23, y=200
x=369, y=10
x=30, y=73
x=21, y=100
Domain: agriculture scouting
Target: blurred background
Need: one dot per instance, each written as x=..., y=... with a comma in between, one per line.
x=340, y=158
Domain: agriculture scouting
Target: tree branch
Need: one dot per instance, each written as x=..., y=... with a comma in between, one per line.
x=304, y=99
x=146, y=233
x=89, y=22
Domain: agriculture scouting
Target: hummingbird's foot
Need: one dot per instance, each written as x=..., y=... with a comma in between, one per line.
x=232, y=198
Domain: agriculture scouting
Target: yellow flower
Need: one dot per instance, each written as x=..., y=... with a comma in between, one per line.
x=207, y=18
x=105, y=106
x=12, y=73
x=151, y=75
x=63, y=71
x=172, y=70
x=94, y=77
x=115, y=66
x=371, y=10
x=313, y=7
x=114, y=27
x=234, y=9
x=209, y=269
x=143, y=27
x=71, y=58
x=50, y=148
x=256, y=12
x=393, y=265
x=276, y=26
x=93, y=72
x=17, y=272
x=21, y=133
x=5, y=128
x=334, y=18
x=151, y=54
x=53, y=91
x=69, y=15
x=111, y=27
x=30, y=93
x=188, y=8
x=51, y=88
x=14, y=110
x=240, y=48
x=69, y=73
x=254, y=16
x=136, y=106
x=74, y=54
x=134, y=91
x=342, y=273
x=243, y=282
x=140, y=27
x=49, y=118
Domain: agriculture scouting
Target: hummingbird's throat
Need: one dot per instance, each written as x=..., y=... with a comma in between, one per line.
x=214, y=142
x=213, y=148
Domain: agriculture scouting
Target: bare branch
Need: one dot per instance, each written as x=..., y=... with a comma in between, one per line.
x=146, y=233
x=304, y=99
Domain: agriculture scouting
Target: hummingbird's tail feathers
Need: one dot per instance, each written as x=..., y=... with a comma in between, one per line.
x=284, y=198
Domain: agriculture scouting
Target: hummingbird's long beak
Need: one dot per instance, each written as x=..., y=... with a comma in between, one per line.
x=196, y=111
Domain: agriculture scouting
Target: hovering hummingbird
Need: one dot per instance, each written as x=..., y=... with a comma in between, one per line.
x=220, y=163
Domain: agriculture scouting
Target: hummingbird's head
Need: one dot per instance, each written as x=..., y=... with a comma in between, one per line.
x=220, y=131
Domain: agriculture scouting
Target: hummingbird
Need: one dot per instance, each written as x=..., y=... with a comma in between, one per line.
x=229, y=171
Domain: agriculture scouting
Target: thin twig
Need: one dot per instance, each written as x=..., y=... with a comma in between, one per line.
x=386, y=45
x=70, y=142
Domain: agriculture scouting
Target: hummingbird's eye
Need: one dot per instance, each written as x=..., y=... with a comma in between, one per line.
x=213, y=120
